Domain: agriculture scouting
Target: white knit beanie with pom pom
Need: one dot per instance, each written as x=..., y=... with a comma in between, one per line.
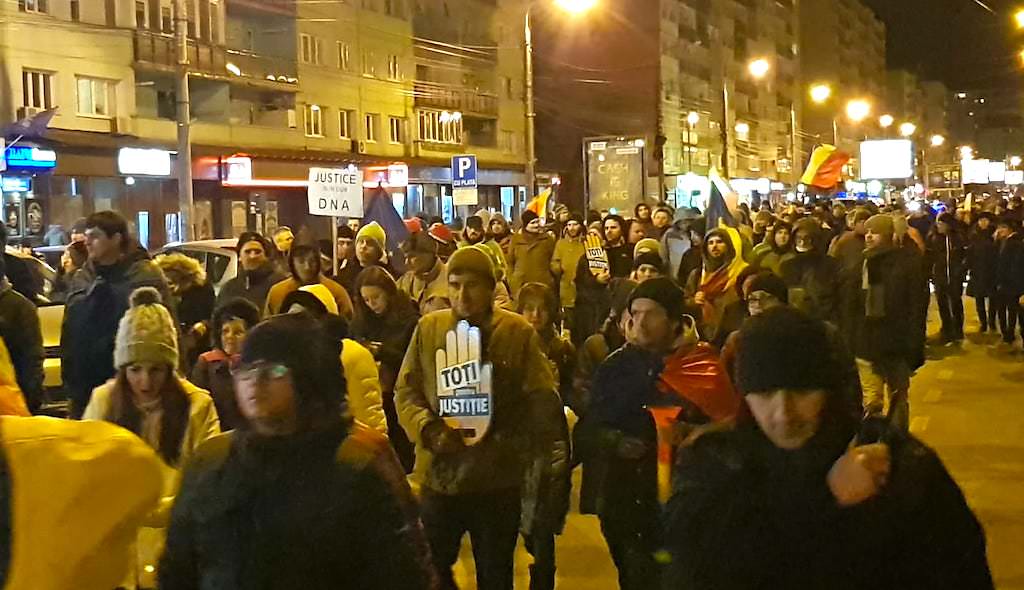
x=146, y=333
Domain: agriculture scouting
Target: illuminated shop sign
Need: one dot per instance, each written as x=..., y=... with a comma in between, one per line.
x=144, y=162
x=21, y=156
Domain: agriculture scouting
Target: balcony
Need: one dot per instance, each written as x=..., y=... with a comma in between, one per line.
x=455, y=98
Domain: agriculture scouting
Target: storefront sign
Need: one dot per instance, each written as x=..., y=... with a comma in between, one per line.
x=393, y=176
x=615, y=174
x=16, y=184
x=464, y=185
x=144, y=162
x=237, y=169
x=336, y=192
x=22, y=156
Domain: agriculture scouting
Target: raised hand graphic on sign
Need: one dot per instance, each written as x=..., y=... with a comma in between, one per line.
x=464, y=391
x=597, y=256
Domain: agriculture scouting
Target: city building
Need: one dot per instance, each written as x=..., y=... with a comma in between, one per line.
x=988, y=120
x=277, y=87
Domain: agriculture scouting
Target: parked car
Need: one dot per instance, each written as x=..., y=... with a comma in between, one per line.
x=218, y=257
x=43, y=271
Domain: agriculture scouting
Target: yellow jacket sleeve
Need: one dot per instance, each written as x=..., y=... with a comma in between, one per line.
x=363, y=383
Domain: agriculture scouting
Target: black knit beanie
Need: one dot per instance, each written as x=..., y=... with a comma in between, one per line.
x=297, y=341
x=665, y=292
x=770, y=283
x=773, y=353
x=527, y=216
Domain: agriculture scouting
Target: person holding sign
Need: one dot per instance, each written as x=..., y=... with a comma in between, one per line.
x=594, y=274
x=472, y=395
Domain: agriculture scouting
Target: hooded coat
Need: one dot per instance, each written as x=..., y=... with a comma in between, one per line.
x=981, y=263
x=529, y=260
x=97, y=299
x=565, y=265
x=812, y=277
x=717, y=283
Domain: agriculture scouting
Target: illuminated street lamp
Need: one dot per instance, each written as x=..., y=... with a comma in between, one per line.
x=907, y=129
x=886, y=121
x=858, y=110
x=742, y=128
x=1019, y=18
x=759, y=68
x=1015, y=161
x=820, y=93
x=693, y=118
x=575, y=6
x=966, y=152
x=938, y=140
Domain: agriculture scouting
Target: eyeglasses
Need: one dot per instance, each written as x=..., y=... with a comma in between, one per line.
x=260, y=371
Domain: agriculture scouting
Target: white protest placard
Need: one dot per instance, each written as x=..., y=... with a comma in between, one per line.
x=336, y=192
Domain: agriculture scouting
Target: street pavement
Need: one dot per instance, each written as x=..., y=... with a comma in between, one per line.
x=966, y=403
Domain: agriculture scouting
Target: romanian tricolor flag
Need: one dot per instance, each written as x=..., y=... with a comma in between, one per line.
x=539, y=204
x=825, y=169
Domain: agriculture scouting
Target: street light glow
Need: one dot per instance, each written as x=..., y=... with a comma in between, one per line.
x=1015, y=161
x=907, y=129
x=759, y=68
x=966, y=152
x=693, y=118
x=576, y=6
x=938, y=140
x=1019, y=17
x=820, y=93
x=886, y=121
x=858, y=110
x=742, y=128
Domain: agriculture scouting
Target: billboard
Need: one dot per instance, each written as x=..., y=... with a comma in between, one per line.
x=886, y=159
x=615, y=173
x=975, y=171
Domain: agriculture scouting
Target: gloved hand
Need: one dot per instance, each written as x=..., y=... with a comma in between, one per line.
x=439, y=438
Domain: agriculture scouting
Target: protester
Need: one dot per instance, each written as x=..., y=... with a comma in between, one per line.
x=693, y=258
x=770, y=254
x=596, y=348
x=97, y=299
x=1009, y=278
x=621, y=437
x=736, y=312
x=22, y=339
x=212, y=372
x=565, y=260
x=256, y=272
x=304, y=265
x=981, y=265
x=426, y=281
x=73, y=258
x=947, y=266
x=500, y=232
x=363, y=395
x=642, y=215
x=283, y=239
x=807, y=495
x=346, y=252
x=547, y=483
x=763, y=221
x=676, y=241
x=530, y=252
x=476, y=488
x=635, y=231
x=370, y=242
x=646, y=266
x=384, y=323
x=149, y=398
x=810, y=274
x=661, y=220
x=887, y=323
x=292, y=481
x=193, y=299
x=109, y=481
x=593, y=290
x=712, y=287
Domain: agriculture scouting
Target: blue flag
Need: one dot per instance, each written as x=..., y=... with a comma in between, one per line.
x=717, y=211
x=378, y=207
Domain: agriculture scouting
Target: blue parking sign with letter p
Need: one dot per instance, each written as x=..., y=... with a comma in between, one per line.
x=463, y=171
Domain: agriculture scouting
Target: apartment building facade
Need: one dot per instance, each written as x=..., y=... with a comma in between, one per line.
x=276, y=87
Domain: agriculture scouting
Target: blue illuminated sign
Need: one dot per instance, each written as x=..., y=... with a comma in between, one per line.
x=15, y=184
x=21, y=156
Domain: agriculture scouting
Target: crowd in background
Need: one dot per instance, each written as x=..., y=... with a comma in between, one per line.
x=675, y=356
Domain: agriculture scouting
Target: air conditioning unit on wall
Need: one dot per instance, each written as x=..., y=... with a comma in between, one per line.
x=359, y=147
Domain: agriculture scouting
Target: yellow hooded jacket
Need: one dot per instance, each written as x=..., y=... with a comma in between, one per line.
x=79, y=491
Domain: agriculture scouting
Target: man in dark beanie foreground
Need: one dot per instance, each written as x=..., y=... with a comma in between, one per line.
x=799, y=494
x=619, y=439
x=475, y=394
x=300, y=496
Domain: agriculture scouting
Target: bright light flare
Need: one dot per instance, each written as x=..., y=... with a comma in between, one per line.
x=938, y=140
x=886, y=121
x=907, y=129
x=742, y=128
x=759, y=68
x=576, y=6
x=820, y=93
x=858, y=110
x=693, y=118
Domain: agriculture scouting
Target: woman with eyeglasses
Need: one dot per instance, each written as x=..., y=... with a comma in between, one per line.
x=149, y=398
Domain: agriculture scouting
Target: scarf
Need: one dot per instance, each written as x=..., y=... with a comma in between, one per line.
x=871, y=282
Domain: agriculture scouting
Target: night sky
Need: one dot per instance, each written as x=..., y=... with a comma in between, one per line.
x=956, y=41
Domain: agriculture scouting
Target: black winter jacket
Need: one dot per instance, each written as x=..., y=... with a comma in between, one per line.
x=252, y=285
x=746, y=515
x=813, y=282
x=981, y=263
x=19, y=328
x=593, y=300
x=323, y=510
x=97, y=300
x=1010, y=265
x=947, y=258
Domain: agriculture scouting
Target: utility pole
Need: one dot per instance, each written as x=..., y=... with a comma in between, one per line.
x=185, y=202
x=531, y=113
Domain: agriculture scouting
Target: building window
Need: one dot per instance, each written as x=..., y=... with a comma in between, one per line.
x=314, y=120
x=397, y=125
x=40, y=6
x=371, y=122
x=309, y=49
x=344, y=56
x=345, y=123
x=94, y=97
x=214, y=21
x=369, y=67
x=166, y=20
x=37, y=89
x=141, y=14
x=76, y=10
x=394, y=69
x=440, y=127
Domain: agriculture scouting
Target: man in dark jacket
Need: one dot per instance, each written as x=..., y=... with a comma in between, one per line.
x=256, y=272
x=802, y=495
x=299, y=496
x=20, y=331
x=811, y=276
x=97, y=298
x=593, y=291
x=981, y=264
x=946, y=253
x=1009, y=277
x=887, y=325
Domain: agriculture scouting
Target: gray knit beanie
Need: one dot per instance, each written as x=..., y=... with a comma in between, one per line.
x=146, y=333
